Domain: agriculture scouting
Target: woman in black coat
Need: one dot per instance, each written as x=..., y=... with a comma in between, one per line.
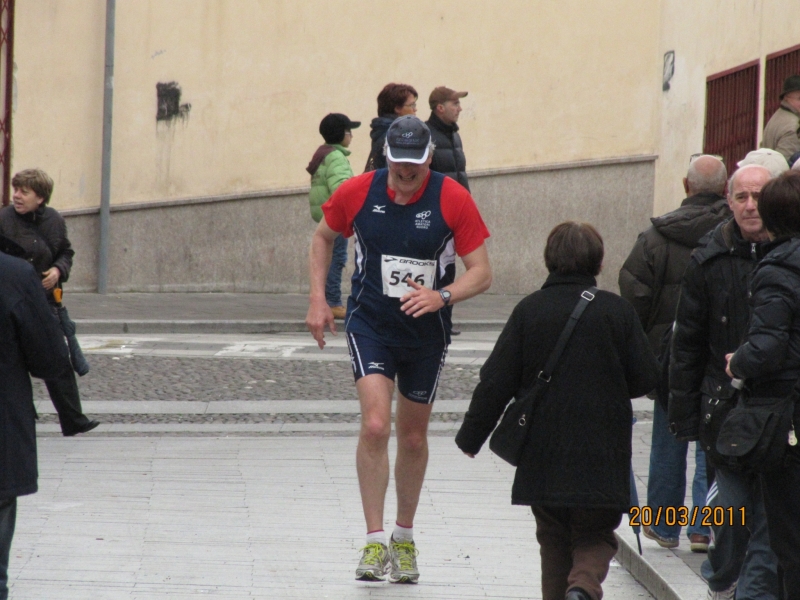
x=769, y=360
x=395, y=100
x=575, y=469
x=42, y=234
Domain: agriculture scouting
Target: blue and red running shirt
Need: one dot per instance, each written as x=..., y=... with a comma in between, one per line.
x=393, y=242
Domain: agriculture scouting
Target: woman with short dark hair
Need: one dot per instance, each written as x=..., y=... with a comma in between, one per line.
x=769, y=360
x=574, y=248
x=41, y=233
x=575, y=469
x=394, y=100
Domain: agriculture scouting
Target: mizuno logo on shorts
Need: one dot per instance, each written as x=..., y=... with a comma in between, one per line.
x=375, y=365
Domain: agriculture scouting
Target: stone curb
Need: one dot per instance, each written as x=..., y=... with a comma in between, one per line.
x=664, y=574
x=116, y=326
x=641, y=569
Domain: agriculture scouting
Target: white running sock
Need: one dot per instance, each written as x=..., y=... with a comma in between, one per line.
x=376, y=537
x=403, y=534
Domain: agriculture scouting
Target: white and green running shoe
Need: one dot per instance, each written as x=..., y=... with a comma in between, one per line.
x=374, y=563
x=404, y=562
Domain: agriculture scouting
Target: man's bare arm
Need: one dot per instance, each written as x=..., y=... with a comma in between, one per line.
x=319, y=313
x=475, y=280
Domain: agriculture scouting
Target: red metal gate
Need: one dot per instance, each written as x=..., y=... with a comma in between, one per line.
x=732, y=113
x=779, y=66
x=6, y=87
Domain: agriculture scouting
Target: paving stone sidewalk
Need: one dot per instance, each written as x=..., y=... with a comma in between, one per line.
x=160, y=518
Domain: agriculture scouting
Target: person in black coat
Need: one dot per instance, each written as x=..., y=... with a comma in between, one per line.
x=394, y=100
x=711, y=321
x=769, y=360
x=42, y=233
x=575, y=470
x=31, y=341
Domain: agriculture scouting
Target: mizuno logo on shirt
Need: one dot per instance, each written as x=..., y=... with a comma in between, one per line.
x=378, y=208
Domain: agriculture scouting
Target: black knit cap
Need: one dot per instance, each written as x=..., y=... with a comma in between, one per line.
x=333, y=126
x=792, y=84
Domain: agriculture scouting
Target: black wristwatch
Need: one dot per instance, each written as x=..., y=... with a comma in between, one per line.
x=445, y=297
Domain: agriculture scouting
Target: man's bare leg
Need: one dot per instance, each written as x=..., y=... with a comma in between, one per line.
x=372, y=455
x=411, y=426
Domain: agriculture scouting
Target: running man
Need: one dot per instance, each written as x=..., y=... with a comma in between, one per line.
x=409, y=223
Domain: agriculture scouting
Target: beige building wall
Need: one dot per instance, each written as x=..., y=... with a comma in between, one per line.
x=708, y=38
x=58, y=95
x=549, y=82
x=562, y=122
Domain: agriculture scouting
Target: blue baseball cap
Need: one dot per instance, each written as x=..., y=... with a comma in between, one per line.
x=408, y=140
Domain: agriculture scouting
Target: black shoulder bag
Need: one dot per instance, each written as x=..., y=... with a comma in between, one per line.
x=756, y=433
x=511, y=434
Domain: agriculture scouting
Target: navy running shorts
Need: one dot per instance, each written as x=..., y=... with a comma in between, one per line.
x=417, y=369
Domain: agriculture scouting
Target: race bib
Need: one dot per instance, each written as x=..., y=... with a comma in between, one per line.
x=396, y=270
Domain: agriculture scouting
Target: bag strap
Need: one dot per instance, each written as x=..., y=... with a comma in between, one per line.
x=586, y=297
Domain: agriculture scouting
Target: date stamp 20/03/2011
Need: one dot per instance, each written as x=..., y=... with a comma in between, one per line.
x=705, y=516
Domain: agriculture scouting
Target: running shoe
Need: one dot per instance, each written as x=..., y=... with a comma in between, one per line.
x=724, y=594
x=403, y=557
x=374, y=563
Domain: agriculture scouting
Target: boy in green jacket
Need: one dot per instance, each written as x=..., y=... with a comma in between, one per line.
x=329, y=167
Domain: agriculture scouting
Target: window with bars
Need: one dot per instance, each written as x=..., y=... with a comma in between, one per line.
x=731, y=127
x=779, y=66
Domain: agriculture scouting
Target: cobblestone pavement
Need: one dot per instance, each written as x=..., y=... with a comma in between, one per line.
x=205, y=379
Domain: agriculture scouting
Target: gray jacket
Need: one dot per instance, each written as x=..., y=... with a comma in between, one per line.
x=781, y=132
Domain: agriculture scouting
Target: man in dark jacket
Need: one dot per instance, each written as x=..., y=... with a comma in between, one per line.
x=650, y=280
x=711, y=321
x=31, y=341
x=448, y=158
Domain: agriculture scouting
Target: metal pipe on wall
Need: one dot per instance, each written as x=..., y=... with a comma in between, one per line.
x=7, y=26
x=105, y=176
